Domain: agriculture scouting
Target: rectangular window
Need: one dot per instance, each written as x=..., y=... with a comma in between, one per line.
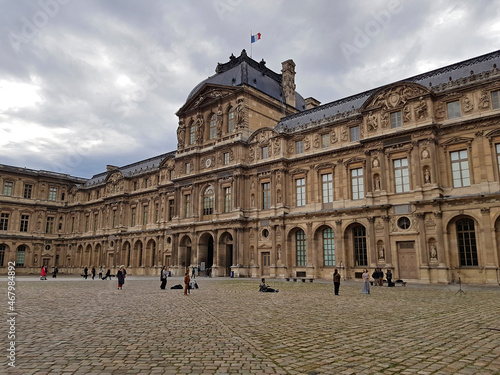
x=498, y=157
x=7, y=188
x=72, y=224
x=299, y=147
x=454, y=109
x=227, y=199
x=401, y=175
x=192, y=135
x=172, y=175
x=145, y=215
x=96, y=217
x=325, y=140
x=266, y=195
x=230, y=120
x=495, y=99
x=188, y=168
x=27, y=190
x=187, y=201
x=300, y=186
x=226, y=158
x=171, y=209
x=208, y=205
x=355, y=134
x=460, y=168
x=4, y=221
x=87, y=223
x=24, y=223
x=20, y=256
x=360, y=250
x=157, y=212
x=2, y=255
x=114, y=219
x=396, y=120
x=135, y=185
x=132, y=218
x=328, y=248
x=300, y=243
x=265, y=152
x=327, y=187
x=213, y=127
x=357, y=182
x=49, y=227
x=53, y=194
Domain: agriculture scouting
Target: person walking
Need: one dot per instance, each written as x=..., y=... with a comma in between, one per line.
x=100, y=273
x=54, y=273
x=187, y=279
x=93, y=273
x=108, y=274
x=375, y=277
x=43, y=273
x=380, y=277
x=193, y=273
x=163, y=277
x=120, y=275
x=366, y=282
x=336, y=281
x=85, y=273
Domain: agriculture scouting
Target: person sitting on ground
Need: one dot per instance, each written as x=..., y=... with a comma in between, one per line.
x=263, y=287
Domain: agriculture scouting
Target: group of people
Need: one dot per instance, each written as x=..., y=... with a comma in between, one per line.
x=93, y=272
x=378, y=277
x=44, y=271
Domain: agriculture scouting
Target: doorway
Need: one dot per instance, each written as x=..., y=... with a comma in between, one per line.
x=407, y=260
x=266, y=262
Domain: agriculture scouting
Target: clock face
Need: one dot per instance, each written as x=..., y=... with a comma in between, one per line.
x=208, y=162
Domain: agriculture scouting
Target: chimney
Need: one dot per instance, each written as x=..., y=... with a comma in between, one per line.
x=312, y=103
x=110, y=167
x=288, y=81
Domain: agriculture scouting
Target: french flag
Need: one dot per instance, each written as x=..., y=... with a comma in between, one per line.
x=255, y=37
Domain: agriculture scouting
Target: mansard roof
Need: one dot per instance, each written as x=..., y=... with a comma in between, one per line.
x=41, y=174
x=448, y=77
x=243, y=70
x=130, y=170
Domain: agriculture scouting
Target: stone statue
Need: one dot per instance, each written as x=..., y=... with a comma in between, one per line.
x=181, y=133
x=427, y=176
x=377, y=182
x=381, y=252
x=433, y=251
x=372, y=122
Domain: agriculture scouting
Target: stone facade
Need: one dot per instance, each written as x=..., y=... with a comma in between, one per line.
x=264, y=183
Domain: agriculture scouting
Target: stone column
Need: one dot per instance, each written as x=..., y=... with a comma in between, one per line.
x=372, y=248
x=387, y=242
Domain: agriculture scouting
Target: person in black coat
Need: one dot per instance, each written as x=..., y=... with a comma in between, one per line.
x=120, y=275
x=163, y=277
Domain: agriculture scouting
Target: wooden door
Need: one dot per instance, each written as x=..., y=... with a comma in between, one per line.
x=407, y=260
x=266, y=261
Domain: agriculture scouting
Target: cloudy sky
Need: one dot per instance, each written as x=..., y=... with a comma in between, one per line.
x=88, y=83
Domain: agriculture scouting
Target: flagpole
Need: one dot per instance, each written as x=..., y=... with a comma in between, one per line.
x=251, y=44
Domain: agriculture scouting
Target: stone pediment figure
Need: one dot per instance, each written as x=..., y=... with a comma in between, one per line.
x=219, y=121
x=199, y=128
x=181, y=134
x=240, y=113
x=372, y=122
x=395, y=96
x=421, y=110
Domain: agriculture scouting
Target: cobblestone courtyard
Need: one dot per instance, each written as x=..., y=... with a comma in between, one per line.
x=75, y=326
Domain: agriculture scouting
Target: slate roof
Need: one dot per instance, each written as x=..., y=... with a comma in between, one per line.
x=243, y=70
x=436, y=80
x=134, y=169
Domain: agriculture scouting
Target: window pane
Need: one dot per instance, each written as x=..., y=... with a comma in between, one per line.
x=300, y=243
x=454, y=110
x=396, y=120
x=328, y=248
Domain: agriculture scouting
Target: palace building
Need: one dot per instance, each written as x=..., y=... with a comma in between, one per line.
x=265, y=183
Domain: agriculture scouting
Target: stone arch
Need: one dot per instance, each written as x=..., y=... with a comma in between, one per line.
x=125, y=254
x=355, y=241
x=324, y=245
x=463, y=242
x=185, y=250
x=296, y=247
x=206, y=251
x=151, y=253
x=137, y=258
x=226, y=258
x=87, y=256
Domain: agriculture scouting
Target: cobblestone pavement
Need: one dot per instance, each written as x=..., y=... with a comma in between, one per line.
x=76, y=326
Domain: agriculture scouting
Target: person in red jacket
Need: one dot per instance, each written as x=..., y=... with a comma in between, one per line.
x=44, y=273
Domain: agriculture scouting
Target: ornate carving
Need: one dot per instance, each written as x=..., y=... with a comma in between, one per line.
x=484, y=100
x=199, y=128
x=307, y=143
x=440, y=110
x=425, y=154
x=333, y=136
x=438, y=214
x=181, y=134
x=384, y=119
x=427, y=176
x=276, y=147
x=485, y=211
x=344, y=135
x=397, y=96
x=406, y=113
x=467, y=104
x=240, y=113
x=372, y=122
x=433, y=254
x=316, y=141
x=421, y=110
x=251, y=153
x=219, y=120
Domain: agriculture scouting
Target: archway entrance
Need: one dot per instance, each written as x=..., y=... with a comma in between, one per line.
x=205, y=252
x=226, y=254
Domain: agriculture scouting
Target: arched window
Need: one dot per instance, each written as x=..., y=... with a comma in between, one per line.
x=213, y=126
x=359, y=245
x=466, y=238
x=208, y=201
x=230, y=120
x=300, y=244
x=20, y=256
x=328, y=248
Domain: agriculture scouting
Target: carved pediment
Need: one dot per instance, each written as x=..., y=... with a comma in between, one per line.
x=207, y=94
x=324, y=166
x=262, y=136
x=492, y=134
x=457, y=140
x=394, y=96
x=354, y=160
x=114, y=176
x=298, y=171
